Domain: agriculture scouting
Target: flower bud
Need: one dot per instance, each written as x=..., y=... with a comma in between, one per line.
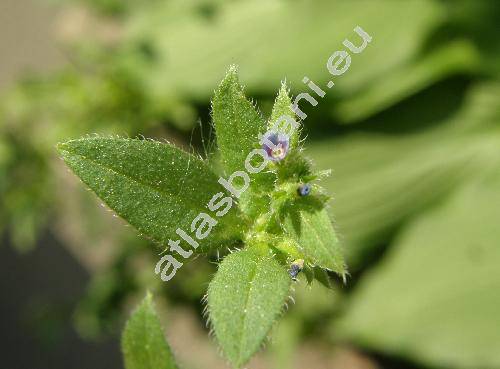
x=304, y=189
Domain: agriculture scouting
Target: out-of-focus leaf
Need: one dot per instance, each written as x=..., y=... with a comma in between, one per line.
x=299, y=40
x=311, y=226
x=156, y=187
x=381, y=180
x=314, y=306
x=112, y=8
x=452, y=58
x=143, y=343
x=286, y=340
x=435, y=298
x=244, y=299
x=480, y=21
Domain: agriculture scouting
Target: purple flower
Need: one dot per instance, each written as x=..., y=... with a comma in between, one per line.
x=275, y=145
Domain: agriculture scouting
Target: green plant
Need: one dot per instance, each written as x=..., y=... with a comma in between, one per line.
x=278, y=223
x=143, y=344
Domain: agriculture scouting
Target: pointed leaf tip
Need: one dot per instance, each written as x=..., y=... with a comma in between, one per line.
x=237, y=122
x=143, y=342
x=311, y=226
x=283, y=107
x=152, y=185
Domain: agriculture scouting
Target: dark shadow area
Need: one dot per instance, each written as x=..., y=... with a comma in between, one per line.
x=40, y=290
x=391, y=362
x=430, y=107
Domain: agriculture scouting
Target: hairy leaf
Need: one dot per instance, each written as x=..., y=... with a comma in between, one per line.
x=154, y=186
x=236, y=121
x=239, y=126
x=308, y=222
x=282, y=107
x=143, y=343
x=245, y=297
x=380, y=181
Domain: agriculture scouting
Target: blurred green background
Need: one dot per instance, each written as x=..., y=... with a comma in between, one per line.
x=411, y=131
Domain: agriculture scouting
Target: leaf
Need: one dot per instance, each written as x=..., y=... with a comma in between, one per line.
x=282, y=107
x=156, y=187
x=451, y=59
x=143, y=342
x=434, y=297
x=382, y=180
x=237, y=123
x=244, y=299
x=322, y=277
x=238, y=127
x=306, y=40
x=308, y=222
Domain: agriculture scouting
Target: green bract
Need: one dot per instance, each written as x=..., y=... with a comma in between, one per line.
x=159, y=188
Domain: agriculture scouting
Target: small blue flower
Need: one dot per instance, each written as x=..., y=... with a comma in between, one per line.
x=304, y=189
x=295, y=268
x=275, y=145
